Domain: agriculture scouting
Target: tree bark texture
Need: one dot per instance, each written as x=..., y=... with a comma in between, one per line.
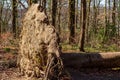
x=71, y=24
x=54, y=12
x=92, y=60
x=114, y=12
x=1, y=7
x=14, y=15
x=82, y=34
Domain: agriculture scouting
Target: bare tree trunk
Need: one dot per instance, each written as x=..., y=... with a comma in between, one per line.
x=0, y=18
x=49, y=10
x=82, y=35
x=98, y=7
x=76, y=14
x=114, y=13
x=14, y=15
x=95, y=17
x=88, y=21
x=59, y=17
x=106, y=20
x=81, y=6
x=54, y=12
x=109, y=16
x=71, y=24
x=119, y=18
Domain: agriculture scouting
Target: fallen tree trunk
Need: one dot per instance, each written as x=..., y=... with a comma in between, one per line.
x=91, y=60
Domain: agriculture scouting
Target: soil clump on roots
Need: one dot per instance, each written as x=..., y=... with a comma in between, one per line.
x=39, y=57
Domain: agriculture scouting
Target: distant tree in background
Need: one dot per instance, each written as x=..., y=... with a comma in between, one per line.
x=54, y=11
x=102, y=18
x=83, y=27
x=1, y=7
x=76, y=13
x=114, y=12
x=109, y=12
x=118, y=18
x=71, y=23
x=88, y=20
x=14, y=15
x=59, y=16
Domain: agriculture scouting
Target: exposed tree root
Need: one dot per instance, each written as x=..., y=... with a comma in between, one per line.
x=39, y=48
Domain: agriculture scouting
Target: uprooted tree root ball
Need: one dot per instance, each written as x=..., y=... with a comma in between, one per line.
x=39, y=57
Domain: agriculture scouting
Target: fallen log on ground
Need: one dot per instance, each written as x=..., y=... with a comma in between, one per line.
x=91, y=60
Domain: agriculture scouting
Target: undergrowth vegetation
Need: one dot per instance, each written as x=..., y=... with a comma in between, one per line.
x=95, y=43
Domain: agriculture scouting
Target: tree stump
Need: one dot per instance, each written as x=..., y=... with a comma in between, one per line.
x=39, y=57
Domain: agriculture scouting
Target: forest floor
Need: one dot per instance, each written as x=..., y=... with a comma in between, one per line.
x=8, y=71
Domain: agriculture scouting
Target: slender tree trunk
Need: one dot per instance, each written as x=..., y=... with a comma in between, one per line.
x=76, y=15
x=119, y=18
x=82, y=35
x=0, y=18
x=98, y=7
x=113, y=13
x=88, y=21
x=81, y=14
x=71, y=24
x=49, y=10
x=109, y=3
x=95, y=16
x=14, y=15
x=106, y=20
x=59, y=17
x=54, y=12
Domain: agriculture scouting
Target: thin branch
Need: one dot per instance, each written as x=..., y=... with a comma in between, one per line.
x=22, y=5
